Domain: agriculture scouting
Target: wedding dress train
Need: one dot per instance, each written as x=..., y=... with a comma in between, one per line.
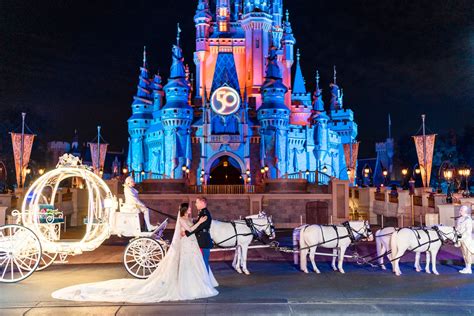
x=181, y=275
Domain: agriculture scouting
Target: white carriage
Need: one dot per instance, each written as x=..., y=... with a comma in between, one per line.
x=34, y=243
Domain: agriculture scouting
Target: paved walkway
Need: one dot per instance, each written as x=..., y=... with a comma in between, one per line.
x=273, y=288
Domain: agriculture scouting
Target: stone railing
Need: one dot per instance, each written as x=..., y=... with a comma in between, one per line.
x=311, y=176
x=224, y=189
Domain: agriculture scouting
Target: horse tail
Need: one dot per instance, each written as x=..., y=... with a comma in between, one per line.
x=378, y=243
x=393, y=245
x=297, y=243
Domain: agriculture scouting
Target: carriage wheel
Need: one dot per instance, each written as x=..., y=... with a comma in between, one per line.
x=47, y=259
x=142, y=256
x=20, y=253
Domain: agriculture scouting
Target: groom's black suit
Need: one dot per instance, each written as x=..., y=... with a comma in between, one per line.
x=203, y=235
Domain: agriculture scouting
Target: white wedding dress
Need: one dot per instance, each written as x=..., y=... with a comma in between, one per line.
x=181, y=275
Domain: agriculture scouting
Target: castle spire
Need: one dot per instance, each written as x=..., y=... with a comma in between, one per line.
x=144, y=57
x=178, y=31
x=299, y=84
x=334, y=78
x=318, y=103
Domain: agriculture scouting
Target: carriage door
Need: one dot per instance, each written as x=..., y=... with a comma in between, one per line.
x=317, y=212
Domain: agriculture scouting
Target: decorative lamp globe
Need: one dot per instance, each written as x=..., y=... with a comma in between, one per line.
x=325, y=169
x=404, y=171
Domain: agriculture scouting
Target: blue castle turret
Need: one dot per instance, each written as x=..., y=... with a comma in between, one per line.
x=139, y=122
x=273, y=116
x=176, y=117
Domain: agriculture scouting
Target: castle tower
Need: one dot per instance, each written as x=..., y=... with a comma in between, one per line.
x=288, y=42
x=342, y=120
x=300, y=99
x=202, y=20
x=176, y=117
x=257, y=24
x=318, y=103
x=277, y=28
x=273, y=116
x=139, y=122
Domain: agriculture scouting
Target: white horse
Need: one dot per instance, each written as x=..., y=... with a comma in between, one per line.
x=427, y=240
x=239, y=234
x=337, y=237
x=382, y=243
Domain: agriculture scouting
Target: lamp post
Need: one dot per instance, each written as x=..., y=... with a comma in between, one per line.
x=385, y=174
x=367, y=171
x=448, y=175
x=465, y=172
x=404, y=173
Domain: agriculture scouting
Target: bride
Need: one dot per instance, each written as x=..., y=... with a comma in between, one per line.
x=181, y=275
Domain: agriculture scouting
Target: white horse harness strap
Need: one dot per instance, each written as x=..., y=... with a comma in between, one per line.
x=233, y=223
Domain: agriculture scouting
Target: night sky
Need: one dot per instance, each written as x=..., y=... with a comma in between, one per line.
x=74, y=64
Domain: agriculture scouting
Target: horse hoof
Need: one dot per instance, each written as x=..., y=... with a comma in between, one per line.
x=239, y=271
x=428, y=271
x=305, y=271
x=418, y=270
x=334, y=268
x=383, y=267
x=342, y=271
x=317, y=271
x=246, y=272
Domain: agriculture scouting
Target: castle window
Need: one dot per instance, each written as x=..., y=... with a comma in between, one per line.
x=257, y=44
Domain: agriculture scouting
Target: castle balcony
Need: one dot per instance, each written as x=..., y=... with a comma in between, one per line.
x=225, y=189
x=225, y=139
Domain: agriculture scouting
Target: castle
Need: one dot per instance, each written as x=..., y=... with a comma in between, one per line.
x=243, y=118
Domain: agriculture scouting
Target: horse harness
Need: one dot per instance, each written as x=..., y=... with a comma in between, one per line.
x=253, y=231
x=350, y=235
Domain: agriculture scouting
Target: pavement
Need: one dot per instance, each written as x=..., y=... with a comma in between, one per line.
x=275, y=287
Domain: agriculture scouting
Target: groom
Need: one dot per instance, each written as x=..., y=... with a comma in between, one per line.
x=203, y=235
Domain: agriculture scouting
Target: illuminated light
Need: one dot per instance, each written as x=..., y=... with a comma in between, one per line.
x=201, y=179
x=225, y=164
x=262, y=171
x=100, y=207
x=325, y=169
x=266, y=168
x=184, y=168
x=468, y=172
x=247, y=172
x=41, y=171
x=225, y=101
x=404, y=171
x=101, y=172
x=349, y=172
x=385, y=173
x=28, y=170
x=125, y=170
x=202, y=172
x=366, y=170
x=417, y=170
x=307, y=172
x=142, y=173
x=448, y=174
x=382, y=185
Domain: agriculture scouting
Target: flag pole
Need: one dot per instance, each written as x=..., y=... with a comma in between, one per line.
x=23, y=115
x=98, y=149
x=423, y=116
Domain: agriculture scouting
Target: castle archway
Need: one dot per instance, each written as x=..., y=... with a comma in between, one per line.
x=225, y=168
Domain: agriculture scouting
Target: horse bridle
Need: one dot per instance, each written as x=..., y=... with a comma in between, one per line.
x=365, y=234
x=255, y=232
x=441, y=234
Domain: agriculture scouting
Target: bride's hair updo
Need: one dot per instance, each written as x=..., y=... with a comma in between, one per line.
x=183, y=208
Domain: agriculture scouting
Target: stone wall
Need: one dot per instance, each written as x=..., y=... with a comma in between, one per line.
x=288, y=210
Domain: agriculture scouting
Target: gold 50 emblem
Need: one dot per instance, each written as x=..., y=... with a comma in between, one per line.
x=225, y=101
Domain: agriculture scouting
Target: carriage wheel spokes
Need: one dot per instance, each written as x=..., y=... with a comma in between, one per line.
x=20, y=253
x=47, y=259
x=142, y=256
